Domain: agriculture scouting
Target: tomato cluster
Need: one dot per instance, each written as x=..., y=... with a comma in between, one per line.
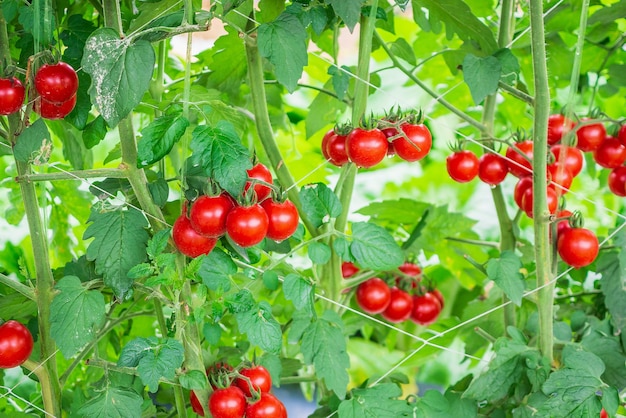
x=400, y=298
x=368, y=146
x=16, y=344
x=213, y=216
x=245, y=393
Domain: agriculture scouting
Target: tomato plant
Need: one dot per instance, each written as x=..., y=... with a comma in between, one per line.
x=16, y=344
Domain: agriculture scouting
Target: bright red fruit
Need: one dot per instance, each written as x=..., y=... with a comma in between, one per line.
x=426, y=309
x=229, y=402
x=208, y=214
x=195, y=403
x=16, y=344
x=366, y=147
x=282, y=217
x=561, y=176
x=604, y=414
x=259, y=174
x=410, y=269
x=492, y=169
x=56, y=82
x=520, y=187
x=611, y=153
x=552, y=199
x=54, y=110
x=419, y=143
x=590, y=136
x=260, y=379
x=247, y=225
x=462, y=166
x=348, y=269
x=268, y=406
x=558, y=125
x=373, y=295
x=621, y=134
x=617, y=181
x=11, y=95
x=578, y=247
x=334, y=148
x=571, y=157
x=439, y=296
x=400, y=306
x=518, y=157
x=188, y=241
x=563, y=224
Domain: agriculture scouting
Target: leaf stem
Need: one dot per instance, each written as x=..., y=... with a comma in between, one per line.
x=41, y=372
x=114, y=173
x=17, y=286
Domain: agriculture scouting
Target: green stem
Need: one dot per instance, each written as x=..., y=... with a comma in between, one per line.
x=114, y=173
x=41, y=372
x=132, y=371
x=17, y=286
x=543, y=253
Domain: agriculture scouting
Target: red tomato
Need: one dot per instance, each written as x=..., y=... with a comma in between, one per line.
x=188, y=241
x=578, y=247
x=227, y=402
x=373, y=295
x=410, y=269
x=462, y=166
x=261, y=173
x=518, y=192
x=518, y=157
x=604, y=414
x=366, y=148
x=564, y=224
x=419, y=143
x=400, y=306
x=282, y=217
x=590, y=136
x=195, y=403
x=52, y=110
x=334, y=148
x=611, y=153
x=268, y=406
x=208, y=214
x=571, y=157
x=617, y=181
x=621, y=134
x=558, y=125
x=260, y=379
x=528, y=201
x=492, y=169
x=56, y=82
x=247, y=225
x=438, y=295
x=16, y=344
x=11, y=95
x=348, y=269
x=389, y=133
x=560, y=175
x=426, y=309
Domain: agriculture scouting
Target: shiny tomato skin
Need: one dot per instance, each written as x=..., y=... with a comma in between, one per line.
x=578, y=247
x=590, y=136
x=610, y=154
x=561, y=176
x=268, y=406
x=617, y=181
x=492, y=169
x=324, y=143
x=334, y=148
x=563, y=224
x=247, y=225
x=262, y=173
x=348, y=269
x=557, y=126
x=462, y=166
x=410, y=269
x=229, y=402
x=282, y=217
x=52, y=110
x=419, y=144
x=56, y=83
x=373, y=295
x=188, y=241
x=426, y=309
x=437, y=293
x=260, y=379
x=520, y=188
x=621, y=134
x=196, y=406
x=604, y=414
x=12, y=94
x=571, y=157
x=208, y=214
x=400, y=306
x=16, y=344
x=518, y=165
x=552, y=199
x=366, y=147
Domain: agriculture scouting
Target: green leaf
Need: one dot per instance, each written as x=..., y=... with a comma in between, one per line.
x=120, y=239
x=270, y=279
x=300, y=291
x=401, y=49
x=283, y=42
x=324, y=346
x=380, y=401
x=434, y=404
x=113, y=402
x=261, y=327
x=216, y=269
x=222, y=155
x=120, y=72
x=94, y=132
x=319, y=203
x=481, y=75
x=193, y=379
x=76, y=315
x=229, y=68
x=374, y=248
x=158, y=243
x=212, y=333
x=242, y=301
x=613, y=271
x=159, y=137
x=509, y=71
x=140, y=271
x=319, y=253
x=341, y=80
x=505, y=272
x=600, y=341
x=348, y=10
x=607, y=15
x=34, y=144
x=458, y=18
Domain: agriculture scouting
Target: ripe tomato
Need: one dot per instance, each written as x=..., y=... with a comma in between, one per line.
x=419, y=143
x=410, y=269
x=621, y=134
x=617, y=181
x=268, y=406
x=528, y=200
x=492, y=169
x=518, y=157
x=260, y=380
x=462, y=166
x=366, y=148
x=560, y=175
x=229, y=402
x=564, y=224
x=348, y=269
x=188, y=241
x=16, y=344
x=426, y=309
x=438, y=295
x=54, y=110
x=195, y=403
x=400, y=306
x=56, y=82
x=247, y=225
x=558, y=125
x=334, y=148
x=390, y=132
x=11, y=95
x=373, y=295
x=518, y=192
x=578, y=247
x=604, y=414
x=262, y=173
x=611, y=153
x=571, y=157
x=282, y=217
x=208, y=214
x=590, y=136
